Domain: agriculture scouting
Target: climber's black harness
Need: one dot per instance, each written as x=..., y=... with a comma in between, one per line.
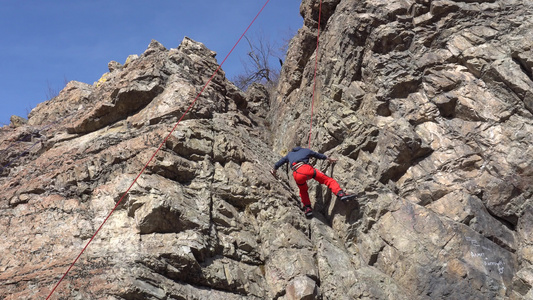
x=295, y=166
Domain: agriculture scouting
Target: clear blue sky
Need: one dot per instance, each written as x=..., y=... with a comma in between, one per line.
x=45, y=43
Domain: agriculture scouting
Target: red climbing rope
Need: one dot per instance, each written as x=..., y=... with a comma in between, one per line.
x=155, y=153
x=314, y=77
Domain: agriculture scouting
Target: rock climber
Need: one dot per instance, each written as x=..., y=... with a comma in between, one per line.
x=298, y=160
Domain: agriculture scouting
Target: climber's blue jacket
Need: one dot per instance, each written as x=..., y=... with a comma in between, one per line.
x=298, y=154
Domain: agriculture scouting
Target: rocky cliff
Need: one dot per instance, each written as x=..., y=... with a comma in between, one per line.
x=427, y=105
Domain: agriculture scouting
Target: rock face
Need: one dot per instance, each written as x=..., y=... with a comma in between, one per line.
x=188, y=224
x=427, y=105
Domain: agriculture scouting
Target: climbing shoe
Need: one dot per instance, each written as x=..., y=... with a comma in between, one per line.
x=344, y=197
x=308, y=211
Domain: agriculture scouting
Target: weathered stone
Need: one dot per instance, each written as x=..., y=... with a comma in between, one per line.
x=130, y=59
x=301, y=288
x=113, y=66
x=17, y=121
x=441, y=8
x=72, y=99
x=285, y=264
x=258, y=99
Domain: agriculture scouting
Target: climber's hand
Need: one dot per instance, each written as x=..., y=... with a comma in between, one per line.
x=274, y=173
x=331, y=160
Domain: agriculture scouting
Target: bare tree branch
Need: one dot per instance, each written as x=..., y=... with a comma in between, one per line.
x=257, y=65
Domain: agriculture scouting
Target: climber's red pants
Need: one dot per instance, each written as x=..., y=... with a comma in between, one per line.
x=306, y=172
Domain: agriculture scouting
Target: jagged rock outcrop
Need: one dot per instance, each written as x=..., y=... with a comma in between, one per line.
x=426, y=104
x=189, y=223
x=16, y=121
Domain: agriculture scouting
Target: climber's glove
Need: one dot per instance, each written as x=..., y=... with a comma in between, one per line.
x=274, y=173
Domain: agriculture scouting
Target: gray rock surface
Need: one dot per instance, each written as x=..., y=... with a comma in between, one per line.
x=426, y=104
